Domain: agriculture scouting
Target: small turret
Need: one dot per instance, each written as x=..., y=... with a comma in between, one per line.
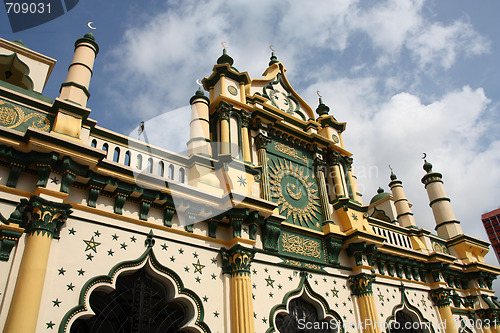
x=405, y=215
x=446, y=225
x=199, y=141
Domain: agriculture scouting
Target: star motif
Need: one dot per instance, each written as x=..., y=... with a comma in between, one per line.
x=214, y=276
x=186, y=269
x=316, y=282
x=205, y=299
x=327, y=294
x=335, y=292
x=56, y=302
x=253, y=296
x=278, y=272
x=81, y=272
x=279, y=286
x=324, y=280
x=254, y=272
x=115, y=237
x=172, y=259
x=423, y=302
x=242, y=181
x=133, y=239
x=269, y=282
x=123, y=246
x=110, y=252
x=266, y=270
x=195, y=255
x=164, y=247
x=198, y=267
x=214, y=260
x=354, y=217
x=90, y=256
x=70, y=286
x=61, y=271
x=271, y=295
x=264, y=320
x=198, y=279
x=290, y=278
x=380, y=297
x=181, y=251
x=91, y=244
x=71, y=231
x=54, y=180
x=50, y=324
x=254, y=286
x=97, y=233
x=216, y=314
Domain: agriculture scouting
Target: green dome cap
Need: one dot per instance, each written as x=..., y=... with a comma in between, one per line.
x=225, y=58
x=274, y=59
x=322, y=109
x=379, y=196
x=427, y=166
x=393, y=176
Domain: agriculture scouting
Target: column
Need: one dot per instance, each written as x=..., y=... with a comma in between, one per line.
x=405, y=215
x=319, y=166
x=236, y=262
x=441, y=298
x=336, y=179
x=261, y=142
x=246, y=117
x=223, y=110
x=361, y=286
x=47, y=218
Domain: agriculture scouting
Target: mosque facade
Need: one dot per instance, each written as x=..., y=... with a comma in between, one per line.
x=260, y=227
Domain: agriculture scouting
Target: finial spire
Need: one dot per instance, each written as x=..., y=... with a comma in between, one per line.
x=322, y=109
x=225, y=58
x=427, y=166
x=274, y=59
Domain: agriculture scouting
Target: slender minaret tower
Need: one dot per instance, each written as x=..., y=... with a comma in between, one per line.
x=405, y=215
x=446, y=225
x=199, y=140
x=75, y=89
x=71, y=105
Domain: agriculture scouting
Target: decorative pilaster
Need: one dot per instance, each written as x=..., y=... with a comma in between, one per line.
x=319, y=166
x=236, y=262
x=361, y=286
x=261, y=142
x=441, y=298
x=223, y=111
x=246, y=117
x=336, y=175
x=47, y=218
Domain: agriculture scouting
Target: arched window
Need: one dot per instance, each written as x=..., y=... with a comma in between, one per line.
x=116, y=155
x=150, y=165
x=94, y=143
x=127, y=158
x=105, y=148
x=140, y=303
x=161, y=169
x=182, y=174
x=300, y=311
x=139, y=162
x=171, y=172
x=406, y=323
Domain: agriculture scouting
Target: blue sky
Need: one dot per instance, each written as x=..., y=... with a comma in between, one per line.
x=407, y=76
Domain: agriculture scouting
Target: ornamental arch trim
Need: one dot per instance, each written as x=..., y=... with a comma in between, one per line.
x=411, y=311
x=174, y=285
x=304, y=291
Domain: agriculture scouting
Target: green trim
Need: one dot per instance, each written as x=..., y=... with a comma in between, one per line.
x=439, y=199
x=74, y=84
x=147, y=256
x=86, y=39
x=82, y=64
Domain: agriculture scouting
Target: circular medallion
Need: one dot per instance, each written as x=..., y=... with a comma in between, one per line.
x=232, y=90
x=335, y=138
x=294, y=191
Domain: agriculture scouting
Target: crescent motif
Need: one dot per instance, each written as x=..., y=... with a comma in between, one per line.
x=224, y=46
x=425, y=155
x=272, y=49
x=199, y=83
x=317, y=92
x=90, y=26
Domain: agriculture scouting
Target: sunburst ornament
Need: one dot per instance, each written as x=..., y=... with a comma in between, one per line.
x=296, y=195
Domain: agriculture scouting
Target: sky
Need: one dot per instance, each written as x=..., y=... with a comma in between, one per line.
x=407, y=77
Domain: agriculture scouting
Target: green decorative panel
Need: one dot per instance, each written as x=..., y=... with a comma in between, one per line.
x=293, y=184
x=301, y=246
x=20, y=118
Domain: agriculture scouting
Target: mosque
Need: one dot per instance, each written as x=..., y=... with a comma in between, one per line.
x=260, y=227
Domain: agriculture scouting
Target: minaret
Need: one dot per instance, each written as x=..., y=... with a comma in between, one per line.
x=75, y=89
x=71, y=105
x=446, y=225
x=199, y=141
x=405, y=215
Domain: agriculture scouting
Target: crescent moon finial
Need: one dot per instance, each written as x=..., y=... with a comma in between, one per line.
x=390, y=167
x=424, y=156
x=199, y=83
x=272, y=48
x=90, y=26
x=223, y=46
x=317, y=92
